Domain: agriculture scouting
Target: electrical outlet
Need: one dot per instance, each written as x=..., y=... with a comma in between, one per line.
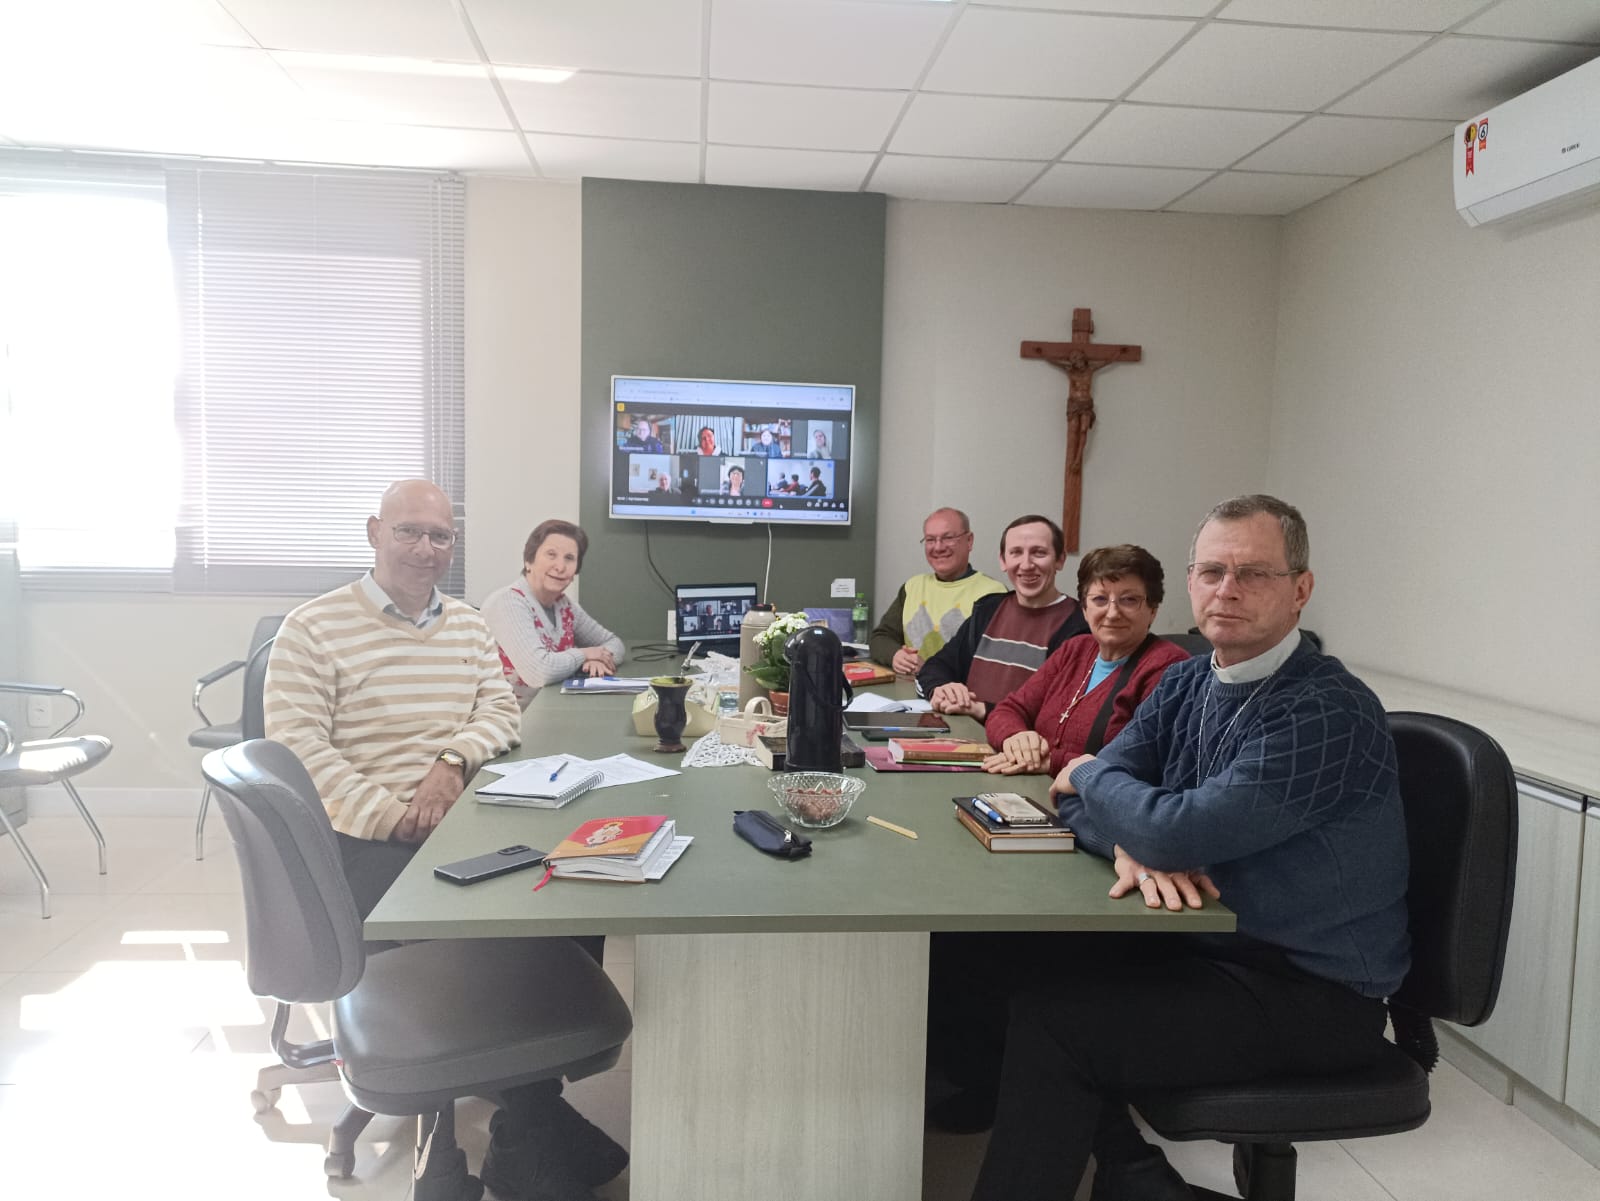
x=40, y=712
x=844, y=588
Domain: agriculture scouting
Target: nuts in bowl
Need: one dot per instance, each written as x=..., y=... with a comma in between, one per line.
x=816, y=799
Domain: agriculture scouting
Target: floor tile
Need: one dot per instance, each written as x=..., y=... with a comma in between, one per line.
x=146, y=926
x=1474, y=1148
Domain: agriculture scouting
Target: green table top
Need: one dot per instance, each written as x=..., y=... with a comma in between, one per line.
x=859, y=877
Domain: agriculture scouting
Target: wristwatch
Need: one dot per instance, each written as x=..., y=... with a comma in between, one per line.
x=453, y=759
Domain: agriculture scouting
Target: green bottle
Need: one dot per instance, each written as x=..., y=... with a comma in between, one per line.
x=858, y=619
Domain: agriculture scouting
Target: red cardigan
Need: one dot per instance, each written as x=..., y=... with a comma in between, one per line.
x=1037, y=705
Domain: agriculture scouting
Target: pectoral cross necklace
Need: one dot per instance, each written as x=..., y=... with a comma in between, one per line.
x=1073, y=703
x=1203, y=769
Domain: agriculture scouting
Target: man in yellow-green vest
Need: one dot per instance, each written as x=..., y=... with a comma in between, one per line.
x=930, y=607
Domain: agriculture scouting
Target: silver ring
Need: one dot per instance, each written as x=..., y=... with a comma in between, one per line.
x=1143, y=878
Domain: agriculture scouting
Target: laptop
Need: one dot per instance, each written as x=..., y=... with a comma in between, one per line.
x=711, y=615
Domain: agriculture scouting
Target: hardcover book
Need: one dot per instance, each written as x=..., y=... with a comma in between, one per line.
x=996, y=836
x=938, y=750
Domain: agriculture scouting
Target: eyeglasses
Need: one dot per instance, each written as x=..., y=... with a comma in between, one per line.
x=1250, y=578
x=410, y=535
x=1128, y=604
x=944, y=539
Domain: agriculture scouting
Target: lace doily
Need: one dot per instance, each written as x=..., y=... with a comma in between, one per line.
x=711, y=751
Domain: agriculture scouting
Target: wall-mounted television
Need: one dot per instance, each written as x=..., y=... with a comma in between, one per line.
x=731, y=450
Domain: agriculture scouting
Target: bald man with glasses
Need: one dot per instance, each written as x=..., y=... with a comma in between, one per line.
x=389, y=756
x=930, y=607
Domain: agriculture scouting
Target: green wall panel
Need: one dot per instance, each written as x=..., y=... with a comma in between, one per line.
x=726, y=283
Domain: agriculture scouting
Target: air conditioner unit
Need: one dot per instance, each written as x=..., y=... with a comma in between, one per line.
x=1539, y=151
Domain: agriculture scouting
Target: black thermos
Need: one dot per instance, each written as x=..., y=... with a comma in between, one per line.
x=816, y=699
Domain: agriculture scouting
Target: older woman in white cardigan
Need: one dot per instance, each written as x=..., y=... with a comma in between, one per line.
x=544, y=636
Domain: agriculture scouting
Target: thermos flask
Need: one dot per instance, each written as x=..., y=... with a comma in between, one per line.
x=816, y=699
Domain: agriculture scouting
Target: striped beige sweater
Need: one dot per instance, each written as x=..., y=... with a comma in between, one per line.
x=367, y=701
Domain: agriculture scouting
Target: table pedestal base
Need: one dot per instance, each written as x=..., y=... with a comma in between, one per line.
x=786, y=1067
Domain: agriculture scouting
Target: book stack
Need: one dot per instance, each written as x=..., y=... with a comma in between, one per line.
x=939, y=750
x=631, y=849
x=1009, y=821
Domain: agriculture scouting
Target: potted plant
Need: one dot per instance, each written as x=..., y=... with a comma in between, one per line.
x=771, y=670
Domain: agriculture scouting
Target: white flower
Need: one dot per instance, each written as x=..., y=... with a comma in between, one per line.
x=780, y=630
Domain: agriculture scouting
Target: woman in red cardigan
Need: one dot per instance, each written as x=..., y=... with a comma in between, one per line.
x=1088, y=689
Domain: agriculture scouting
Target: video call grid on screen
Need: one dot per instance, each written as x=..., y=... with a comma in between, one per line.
x=711, y=615
x=704, y=450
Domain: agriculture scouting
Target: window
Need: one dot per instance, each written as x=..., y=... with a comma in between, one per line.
x=228, y=373
x=88, y=352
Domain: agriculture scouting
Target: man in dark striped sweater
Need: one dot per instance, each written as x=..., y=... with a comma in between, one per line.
x=1265, y=775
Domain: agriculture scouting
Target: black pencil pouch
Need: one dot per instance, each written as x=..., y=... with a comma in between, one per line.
x=766, y=833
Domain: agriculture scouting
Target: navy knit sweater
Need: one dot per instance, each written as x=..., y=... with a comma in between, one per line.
x=1297, y=820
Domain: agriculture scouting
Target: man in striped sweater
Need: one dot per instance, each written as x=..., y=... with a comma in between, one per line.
x=392, y=695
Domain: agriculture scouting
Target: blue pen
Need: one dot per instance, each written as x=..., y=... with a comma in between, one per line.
x=558, y=770
x=978, y=804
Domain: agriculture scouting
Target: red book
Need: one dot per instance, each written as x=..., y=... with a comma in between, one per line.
x=621, y=848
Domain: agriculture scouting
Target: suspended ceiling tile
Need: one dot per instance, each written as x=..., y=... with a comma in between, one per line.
x=992, y=126
x=652, y=37
x=398, y=98
x=1260, y=195
x=1457, y=78
x=1559, y=20
x=978, y=181
x=1009, y=53
x=749, y=114
x=1082, y=185
x=1430, y=16
x=617, y=106
x=1140, y=135
x=760, y=167
x=836, y=43
x=1272, y=67
x=1347, y=145
x=564, y=157
x=426, y=29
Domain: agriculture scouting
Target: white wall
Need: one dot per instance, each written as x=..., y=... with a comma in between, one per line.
x=134, y=658
x=1437, y=418
x=968, y=422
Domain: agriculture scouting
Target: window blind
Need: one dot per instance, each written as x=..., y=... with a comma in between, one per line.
x=321, y=360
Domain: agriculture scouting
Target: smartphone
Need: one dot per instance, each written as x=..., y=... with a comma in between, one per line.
x=487, y=867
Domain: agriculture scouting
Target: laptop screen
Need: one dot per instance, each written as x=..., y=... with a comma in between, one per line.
x=711, y=615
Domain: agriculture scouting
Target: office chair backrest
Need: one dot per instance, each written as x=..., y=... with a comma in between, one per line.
x=303, y=933
x=266, y=629
x=1460, y=802
x=252, y=716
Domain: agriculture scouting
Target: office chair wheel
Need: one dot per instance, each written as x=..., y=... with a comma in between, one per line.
x=338, y=1165
x=265, y=1100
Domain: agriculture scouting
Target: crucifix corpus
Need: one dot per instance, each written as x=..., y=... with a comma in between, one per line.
x=1080, y=359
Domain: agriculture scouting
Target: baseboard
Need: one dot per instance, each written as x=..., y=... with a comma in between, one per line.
x=1477, y=1067
x=52, y=801
x=1581, y=1135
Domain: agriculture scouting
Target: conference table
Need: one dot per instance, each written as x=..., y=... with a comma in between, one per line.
x=780, y=1007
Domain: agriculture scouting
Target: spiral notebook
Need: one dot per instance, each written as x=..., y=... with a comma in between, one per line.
x=531, y=787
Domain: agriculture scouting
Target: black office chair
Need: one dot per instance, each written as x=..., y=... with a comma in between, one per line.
x=1461, y=823
x=214, y=736
x=49, y=760
x=417, y=1026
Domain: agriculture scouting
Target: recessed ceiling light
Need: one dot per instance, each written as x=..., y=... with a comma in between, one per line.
x=532, y=74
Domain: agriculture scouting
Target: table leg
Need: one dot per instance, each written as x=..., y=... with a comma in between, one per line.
x=782, y=1066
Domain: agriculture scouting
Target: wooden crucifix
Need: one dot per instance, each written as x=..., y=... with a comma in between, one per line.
x=1080, y=359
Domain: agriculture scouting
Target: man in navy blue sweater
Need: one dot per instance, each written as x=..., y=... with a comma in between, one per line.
x=1263, y=775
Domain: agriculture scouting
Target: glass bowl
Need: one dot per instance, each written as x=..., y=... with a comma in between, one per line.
x=815, y=799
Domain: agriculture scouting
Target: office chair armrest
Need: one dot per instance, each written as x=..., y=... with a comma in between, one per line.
x=210, y=678
x=5, y=732
x=47, y=690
